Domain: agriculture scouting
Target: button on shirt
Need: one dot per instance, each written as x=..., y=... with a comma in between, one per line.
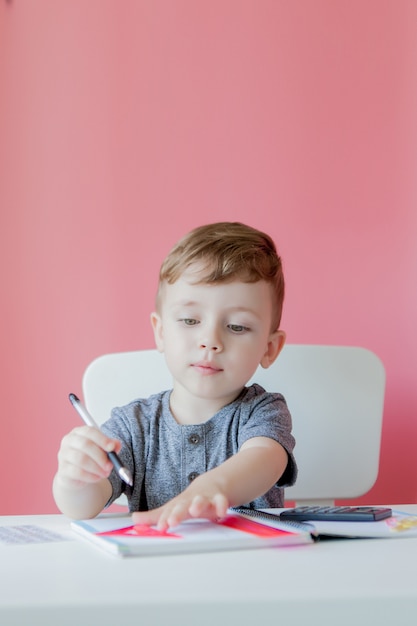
x=164, y=456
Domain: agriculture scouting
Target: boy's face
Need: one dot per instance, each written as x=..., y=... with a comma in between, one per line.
x=214, y=336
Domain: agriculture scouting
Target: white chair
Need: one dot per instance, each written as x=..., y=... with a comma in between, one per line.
x=335, y=395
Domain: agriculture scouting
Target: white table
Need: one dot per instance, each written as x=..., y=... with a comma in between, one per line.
x=327, y=583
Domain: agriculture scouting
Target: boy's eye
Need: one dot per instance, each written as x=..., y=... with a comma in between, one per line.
x=238, y=328
x=189, y=321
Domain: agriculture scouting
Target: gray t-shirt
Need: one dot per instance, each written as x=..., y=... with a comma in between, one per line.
x=164, y=456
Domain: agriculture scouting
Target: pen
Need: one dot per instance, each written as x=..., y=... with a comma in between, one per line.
x=88, y=419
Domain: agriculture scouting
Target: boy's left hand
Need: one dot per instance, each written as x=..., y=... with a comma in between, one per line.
x=194, y=502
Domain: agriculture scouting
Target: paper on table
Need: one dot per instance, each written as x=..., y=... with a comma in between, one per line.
x=28, y=533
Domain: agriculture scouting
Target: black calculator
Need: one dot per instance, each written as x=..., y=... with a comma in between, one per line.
x=336, y=513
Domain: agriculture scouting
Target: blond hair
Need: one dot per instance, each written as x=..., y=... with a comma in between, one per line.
x=228, y=251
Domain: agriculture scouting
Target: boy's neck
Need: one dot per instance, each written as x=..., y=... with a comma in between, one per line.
x=188, y=409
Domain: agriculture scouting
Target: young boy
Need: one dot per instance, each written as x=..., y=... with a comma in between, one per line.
x=210, y=442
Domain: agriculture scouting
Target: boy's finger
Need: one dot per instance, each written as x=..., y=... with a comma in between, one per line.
x=106, y=443
x=221, y=505
x=178, y=514
x=198, y=506
x=149, y=518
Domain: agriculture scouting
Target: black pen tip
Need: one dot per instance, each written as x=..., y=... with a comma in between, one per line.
x=73, y=398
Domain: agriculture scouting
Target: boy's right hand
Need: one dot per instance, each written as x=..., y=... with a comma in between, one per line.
x=82, y=457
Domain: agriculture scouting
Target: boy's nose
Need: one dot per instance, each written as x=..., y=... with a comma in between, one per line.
x=211, y=342
x=216, y=347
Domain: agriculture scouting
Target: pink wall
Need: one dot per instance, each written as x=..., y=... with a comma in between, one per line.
x=123, y=125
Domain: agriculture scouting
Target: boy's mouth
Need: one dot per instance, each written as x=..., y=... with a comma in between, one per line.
x=207, y=368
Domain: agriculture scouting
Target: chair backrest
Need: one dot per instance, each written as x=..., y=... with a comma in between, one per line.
x=335, y=395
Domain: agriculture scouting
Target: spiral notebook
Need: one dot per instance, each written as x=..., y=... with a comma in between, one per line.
x=117, y=535
x=399, y=526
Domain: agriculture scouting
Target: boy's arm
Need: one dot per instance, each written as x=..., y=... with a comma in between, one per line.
x=245, y=476
x=81, y=502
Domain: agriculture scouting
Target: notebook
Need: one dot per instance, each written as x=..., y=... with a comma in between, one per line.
x=399, y=525
x=117, y=535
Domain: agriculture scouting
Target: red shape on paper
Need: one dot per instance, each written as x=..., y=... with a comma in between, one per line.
x=140, y=530
x=253, y=528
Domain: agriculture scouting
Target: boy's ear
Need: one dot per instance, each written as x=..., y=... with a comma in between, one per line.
x=157, y=331
x=276, y=342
